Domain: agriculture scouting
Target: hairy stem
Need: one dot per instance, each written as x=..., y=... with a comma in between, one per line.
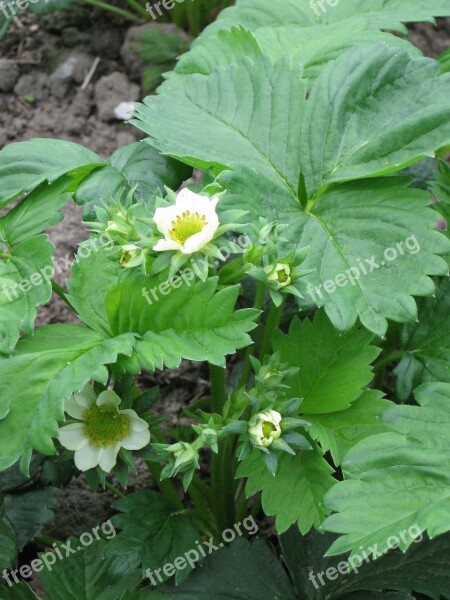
x=273, y=321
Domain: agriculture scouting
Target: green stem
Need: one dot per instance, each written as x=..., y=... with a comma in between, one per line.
x=138, y=8
x=222, y=474
x=388, y=360
x=166, y=486
x=259, y=305
x=115, y=9
x=61, y=293
x=273, y=320
x=112, y=488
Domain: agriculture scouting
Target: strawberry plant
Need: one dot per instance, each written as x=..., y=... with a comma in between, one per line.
x=302, y=264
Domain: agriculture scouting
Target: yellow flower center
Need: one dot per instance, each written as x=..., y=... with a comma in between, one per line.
x=186, y=225
x=268, y=428
x=105, y=426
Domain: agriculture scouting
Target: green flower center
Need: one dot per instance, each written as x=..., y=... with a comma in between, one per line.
x=105, y=426
x=283, y=275
x=186, y=225
x=268, y=428
x=125, y=258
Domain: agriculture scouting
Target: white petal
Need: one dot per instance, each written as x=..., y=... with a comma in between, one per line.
x=197, y=242
x=137, y=424
x=72, y=436
x=108, y=458
x=88, y=457
x=163, y=217
x=166, y=245
x=108, y=397
x=77, y=404
x=136, y=440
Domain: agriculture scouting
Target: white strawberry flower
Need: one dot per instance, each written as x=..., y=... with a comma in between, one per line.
x=189, y=224
x=102, y=430
x=264, y=428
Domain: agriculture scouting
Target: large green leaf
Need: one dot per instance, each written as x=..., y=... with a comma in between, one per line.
x=396, y=480
x=88, y=574
x=194, y=322
x=372, y=247
x=29, y=511
x=374, y=111
x=29, y=267
x=423, y=568
x=137, y=165
x=25, y=165
x=248, y=115
x=57, y=361
x=243, y=571
x=383, y=14
x=333, y=368
x=19, y=591
x=339, y=431
x=152, y=532
x=311, y=47
x=426, y=344
x=296, y=493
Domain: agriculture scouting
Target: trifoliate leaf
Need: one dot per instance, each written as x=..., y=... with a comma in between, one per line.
x=25, y=165
x=338, y=432
x=396, y=480
x=88, y=574
x=373, y=111
x=426, y=344
x=333, y=367
x=152, y=533
x=295, y=494
x=243, y=571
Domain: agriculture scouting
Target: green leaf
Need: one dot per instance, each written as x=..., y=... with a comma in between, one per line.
x=88, y=574
x=388, y=14
x=396, y=480
x=444, y=60
x=35, y=213
x=28, y=270
x=312, y=46
x=243, y=571
x=374, y=111
x=295, y=494
x=137, y=165
x=423, y=568
x=426, y=344
x=372, y=246
x=19, y=591
x=195, y=322
x=29, y=511
x=87, y=293
x=46, y=7
x=222, y=49
x=333, y=368
x=157, y=46
x=152, y=533
x=53, y=369
x=338, y=432
x=25, y=165
x=247, y=115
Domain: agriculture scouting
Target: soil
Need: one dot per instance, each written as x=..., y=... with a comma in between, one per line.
x=45, y=92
